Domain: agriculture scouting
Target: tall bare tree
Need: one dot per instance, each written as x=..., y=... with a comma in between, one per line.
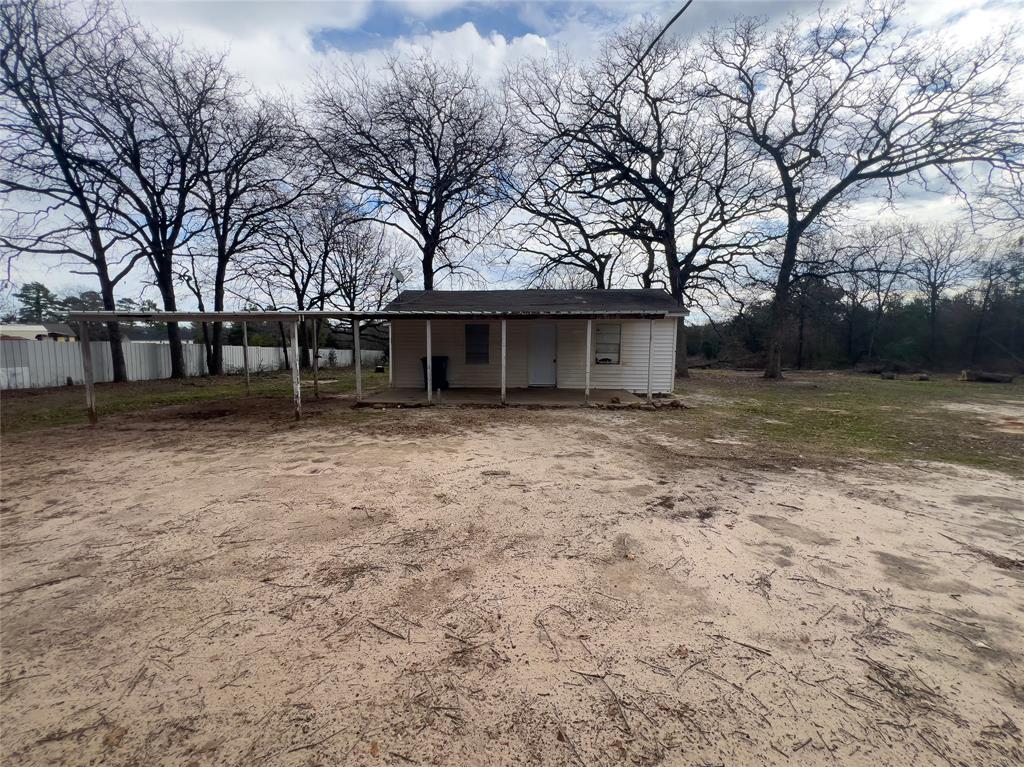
x=942, y=257
x=251, y=164
x=55, y=201
x=291, y=269
x=148, y=103
x=652, y=146
x=426, y=145
x=363, y=267
x=564, y=232
x=850, y=104
x=871, y=271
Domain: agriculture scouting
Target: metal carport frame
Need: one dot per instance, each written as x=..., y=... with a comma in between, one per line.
x=85, y=318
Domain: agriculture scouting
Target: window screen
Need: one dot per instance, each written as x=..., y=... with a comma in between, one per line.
x=478, y=344
x=609, y=339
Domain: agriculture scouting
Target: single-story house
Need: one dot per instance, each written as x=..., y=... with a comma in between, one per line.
x=48, y=331
x=565, y=339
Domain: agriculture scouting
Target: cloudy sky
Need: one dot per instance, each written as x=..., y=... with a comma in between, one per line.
x=278, y=45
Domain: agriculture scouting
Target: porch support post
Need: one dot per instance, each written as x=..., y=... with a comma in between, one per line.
x=503, y=349
x=296, y=388
x=586, y=389
x=430, y=368
x=245, y=355
x=316, y=358
x=650, y=356
x=358, y=355
x=90, y=391
x=391, y=358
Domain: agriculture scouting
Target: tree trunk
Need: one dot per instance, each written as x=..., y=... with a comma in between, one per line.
x=780, y=304
x=647, y=276
x=933, y=313
x=113, y=328
x=800, y=337
x=874, y=332
x=207, y=344
x=429, y=250
x=284, y=344
x=217, y=366
x=976, y=344
x=177, y=352
x=675, y=281
x=304, y=344
x=165, y=283
x=682, y=363
x=850, y=333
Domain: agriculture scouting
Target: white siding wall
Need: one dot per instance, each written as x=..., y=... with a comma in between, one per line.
x=408, y=345
x=38, y=364
x=631, y=372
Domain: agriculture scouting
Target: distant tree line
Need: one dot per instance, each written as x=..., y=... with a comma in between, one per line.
x=720, y=168
x=918, y=297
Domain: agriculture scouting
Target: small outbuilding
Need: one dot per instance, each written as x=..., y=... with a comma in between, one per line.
x=519, y=339
x=48, y=331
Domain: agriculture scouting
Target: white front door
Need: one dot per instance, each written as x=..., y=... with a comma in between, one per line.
x=543, y=350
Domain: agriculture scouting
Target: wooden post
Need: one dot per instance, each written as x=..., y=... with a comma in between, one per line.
x=245, y=355
x=316, y=358
x=296, y=387
x=586, y=385
x=430, y=368
x=90, y=392
x=650, y=356
x=391, y=358
x=503, y=347
x=358, y=358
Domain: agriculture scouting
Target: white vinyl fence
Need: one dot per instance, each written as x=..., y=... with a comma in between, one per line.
x=38, y=364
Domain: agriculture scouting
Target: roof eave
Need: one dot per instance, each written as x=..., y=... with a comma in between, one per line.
x=384, y=315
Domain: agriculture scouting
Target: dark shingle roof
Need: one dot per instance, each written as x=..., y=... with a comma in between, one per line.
x=538, y=302
x=59, y=328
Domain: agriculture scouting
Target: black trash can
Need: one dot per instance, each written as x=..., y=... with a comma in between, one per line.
x=439, y=372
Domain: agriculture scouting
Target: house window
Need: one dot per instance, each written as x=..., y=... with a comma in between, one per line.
x=609, y=341
x=478, y=344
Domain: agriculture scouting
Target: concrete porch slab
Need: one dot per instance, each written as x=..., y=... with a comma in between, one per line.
x=536, y=397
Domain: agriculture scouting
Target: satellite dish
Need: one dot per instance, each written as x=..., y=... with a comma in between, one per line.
x=397, y=274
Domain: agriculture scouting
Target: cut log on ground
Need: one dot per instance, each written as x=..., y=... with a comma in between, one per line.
x=983, y=377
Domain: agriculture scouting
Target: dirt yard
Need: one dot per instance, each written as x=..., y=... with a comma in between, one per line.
x=212, y=584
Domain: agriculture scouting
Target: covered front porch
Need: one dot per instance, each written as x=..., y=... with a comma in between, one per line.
x=521, y=397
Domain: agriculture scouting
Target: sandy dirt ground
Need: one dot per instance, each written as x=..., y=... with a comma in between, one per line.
x=491, y=587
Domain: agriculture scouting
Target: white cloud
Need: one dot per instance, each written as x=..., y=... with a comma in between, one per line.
x=487, y=54
x=269, y=43
x=428, y=9
x=274, y=44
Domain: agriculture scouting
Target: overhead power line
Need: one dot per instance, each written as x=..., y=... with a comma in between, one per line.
x=586, y=124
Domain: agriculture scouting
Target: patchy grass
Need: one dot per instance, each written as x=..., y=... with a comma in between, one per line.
x=29, y=409
x=817, y=416
x=809, y=419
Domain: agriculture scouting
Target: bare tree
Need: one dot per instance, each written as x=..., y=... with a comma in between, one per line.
x=251, y=164
x=426, y=145
x=871, y=271
x=291, y=268
x=148, y=103
x=850, y=104
x=942, y=257
x=564, y=233
x=651, y=148
x=55, y=201
x=362, y=268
